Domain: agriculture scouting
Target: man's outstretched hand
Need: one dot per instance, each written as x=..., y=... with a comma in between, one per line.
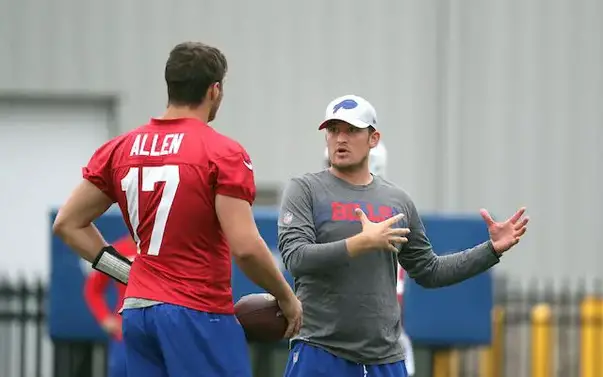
x=506, y=234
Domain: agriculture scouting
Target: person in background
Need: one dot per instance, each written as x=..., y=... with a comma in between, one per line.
x=404, y=339
x=95, y=288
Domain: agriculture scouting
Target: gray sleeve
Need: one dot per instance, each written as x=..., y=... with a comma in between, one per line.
x=297, y=235
x=430, y=270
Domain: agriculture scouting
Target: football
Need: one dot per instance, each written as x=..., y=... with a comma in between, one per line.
x=261, y=317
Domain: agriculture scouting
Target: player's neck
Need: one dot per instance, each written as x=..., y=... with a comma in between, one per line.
x=178, y=112
x=359, y=177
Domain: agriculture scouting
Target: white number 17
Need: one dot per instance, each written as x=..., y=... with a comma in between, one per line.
x=150, y=176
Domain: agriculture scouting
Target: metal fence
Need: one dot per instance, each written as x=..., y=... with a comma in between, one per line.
x=545, y=329
x=25, y=346
x=539, y=330
x=22, y=328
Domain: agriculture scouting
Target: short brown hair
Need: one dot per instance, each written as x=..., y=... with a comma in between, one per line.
x=191, y=69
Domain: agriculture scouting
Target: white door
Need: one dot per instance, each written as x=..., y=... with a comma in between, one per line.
x=43, y=146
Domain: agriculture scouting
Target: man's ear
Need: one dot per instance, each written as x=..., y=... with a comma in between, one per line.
x=214, y=91
x=374, y=138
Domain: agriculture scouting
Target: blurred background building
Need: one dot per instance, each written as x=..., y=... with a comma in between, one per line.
x=483, y=103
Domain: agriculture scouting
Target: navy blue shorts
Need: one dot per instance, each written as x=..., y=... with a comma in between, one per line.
x=172, y=341
x=308, y=361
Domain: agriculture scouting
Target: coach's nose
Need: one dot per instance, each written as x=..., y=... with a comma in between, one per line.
x=342, y=137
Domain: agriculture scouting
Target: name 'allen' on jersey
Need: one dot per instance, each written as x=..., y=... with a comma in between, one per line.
x=159, y=144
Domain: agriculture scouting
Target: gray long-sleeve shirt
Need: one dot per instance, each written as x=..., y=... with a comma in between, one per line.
x=350, y=304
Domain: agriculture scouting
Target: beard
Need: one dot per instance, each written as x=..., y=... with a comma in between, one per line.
x=350, y=167
x=213, y=112
x=215, y=106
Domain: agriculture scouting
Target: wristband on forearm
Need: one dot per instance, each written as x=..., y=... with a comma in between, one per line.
x=113, y=264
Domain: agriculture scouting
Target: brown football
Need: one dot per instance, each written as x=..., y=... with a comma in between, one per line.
x=261, y=317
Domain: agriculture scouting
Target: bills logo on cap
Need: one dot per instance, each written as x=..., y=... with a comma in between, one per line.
x=346, y=104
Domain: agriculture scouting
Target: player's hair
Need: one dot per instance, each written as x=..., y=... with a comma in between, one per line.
x=191, y=69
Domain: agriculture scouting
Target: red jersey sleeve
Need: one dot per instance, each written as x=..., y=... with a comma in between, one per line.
x=234, y=176
x=94, y=290
x=98, y=170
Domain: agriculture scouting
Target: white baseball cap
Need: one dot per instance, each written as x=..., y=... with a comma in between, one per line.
x=351, y=109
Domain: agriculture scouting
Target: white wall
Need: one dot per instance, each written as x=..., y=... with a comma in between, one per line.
x=44, y=146
x=524, y=120
x=483, y=103
x=283, y=69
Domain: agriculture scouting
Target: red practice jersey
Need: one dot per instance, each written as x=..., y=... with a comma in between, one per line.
x=97, y=283
x=165, y=176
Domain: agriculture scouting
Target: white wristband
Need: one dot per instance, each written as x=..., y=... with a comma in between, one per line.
x=116, y=266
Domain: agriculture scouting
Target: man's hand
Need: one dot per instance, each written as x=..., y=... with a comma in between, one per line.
x=292, y=310
x=377, y=236
x=112, y=325
x=505, y=235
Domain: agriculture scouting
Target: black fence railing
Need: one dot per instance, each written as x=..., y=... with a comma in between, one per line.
x=22, y=328
x=552, y=329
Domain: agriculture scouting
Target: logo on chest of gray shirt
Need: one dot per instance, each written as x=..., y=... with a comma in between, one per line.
x=338, y=211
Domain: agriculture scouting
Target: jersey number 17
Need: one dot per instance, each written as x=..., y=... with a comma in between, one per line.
x=170, y=175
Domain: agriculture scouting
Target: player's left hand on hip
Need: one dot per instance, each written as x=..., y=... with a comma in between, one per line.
x=504, y=235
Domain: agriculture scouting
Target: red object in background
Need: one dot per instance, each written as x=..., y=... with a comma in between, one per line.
x=400, y=287
x=97, y=283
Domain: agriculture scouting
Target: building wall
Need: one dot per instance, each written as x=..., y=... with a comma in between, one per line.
x=482, y=103
x=44, y=145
